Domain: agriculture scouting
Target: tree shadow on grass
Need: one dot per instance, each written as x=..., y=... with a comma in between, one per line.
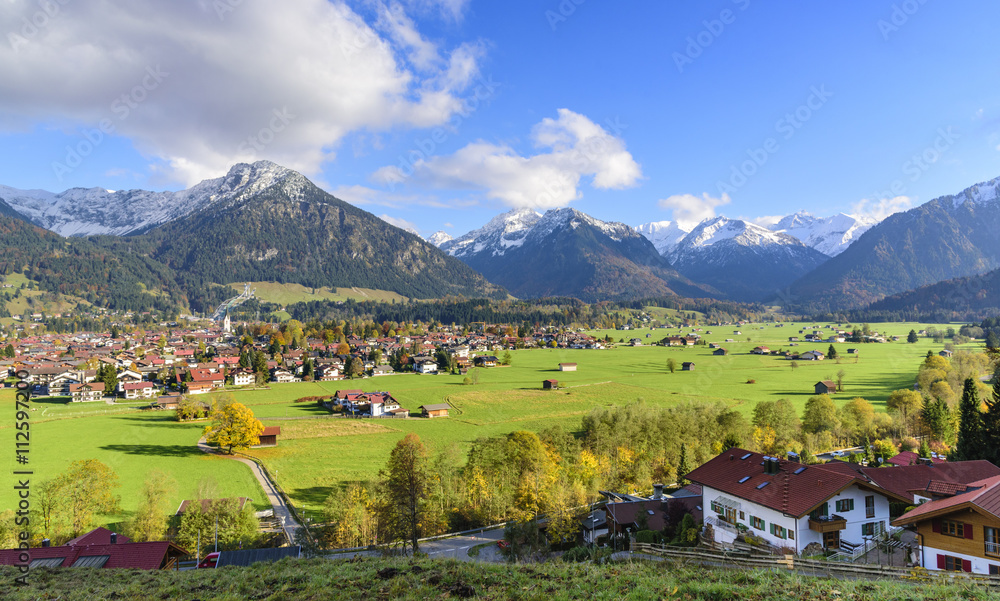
x=155, y=450
x=313, y=495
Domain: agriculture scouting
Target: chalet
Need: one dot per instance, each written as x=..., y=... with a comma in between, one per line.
x=627, y=513
x=383, y=370
x=959, y=532
x=129, y=375
x=687, y=366
x=199, y=387
x=282, y=376
x=269, y=437
x=328, y=373
x=825, y=387
x=138, y=390
x=99, y=548
x=89, y=391
x=436, y=410
x=427, y=367
x=811, y=356
x=486, y=361
x=788, y=504
x=243, y=377
x=550, y=384
x=720, y=352
x=567, y=367
x=760, y=350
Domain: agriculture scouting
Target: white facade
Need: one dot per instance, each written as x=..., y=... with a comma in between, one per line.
x=797, y=534
x=979, y=564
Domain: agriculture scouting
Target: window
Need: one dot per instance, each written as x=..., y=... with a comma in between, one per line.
x=756, y=522
x=872, y=528
x=994, y=570
x=953, y=564
x=742, y=516
x=778, y=531
x=870, y=506
x=844, y=505
x=791, y=535
x=717, y=507
x=820, y=512
x=992, y=537
x=953, y=528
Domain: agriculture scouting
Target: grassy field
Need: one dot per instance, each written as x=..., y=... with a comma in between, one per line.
x=290, y=580
x=29, y=301
x=315, y=455
x=286, y=294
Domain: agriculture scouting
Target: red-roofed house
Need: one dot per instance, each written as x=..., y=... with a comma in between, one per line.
x=139, y=390
x=960, y=533
x=99, y=548
x=788, y=504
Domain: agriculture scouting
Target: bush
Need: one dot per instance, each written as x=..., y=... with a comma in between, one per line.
x=651, y=537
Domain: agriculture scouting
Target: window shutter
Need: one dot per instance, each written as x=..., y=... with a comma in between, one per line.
x=936, y=526
x=967, y=529
x=940, y=562
x=966, y=565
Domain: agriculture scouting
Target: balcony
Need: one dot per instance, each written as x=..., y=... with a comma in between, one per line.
x=825, y=524
x=993, y=549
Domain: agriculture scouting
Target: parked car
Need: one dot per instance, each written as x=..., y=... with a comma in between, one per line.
x=210, y=560
x=503, y=544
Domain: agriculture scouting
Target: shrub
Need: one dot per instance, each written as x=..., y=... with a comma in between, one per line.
x=651, y=537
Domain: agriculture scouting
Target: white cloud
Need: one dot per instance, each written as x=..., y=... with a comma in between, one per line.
x=196, y=86
x=573, y=147
x=400, y=223
x=689, y=210
x=881, y=208
x=767, y=221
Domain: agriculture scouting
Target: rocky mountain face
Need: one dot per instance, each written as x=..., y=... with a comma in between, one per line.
x=568, y=253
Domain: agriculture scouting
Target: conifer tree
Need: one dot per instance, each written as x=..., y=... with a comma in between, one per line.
x=970, y=429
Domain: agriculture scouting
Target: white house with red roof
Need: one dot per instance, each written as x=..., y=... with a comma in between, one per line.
x=788, y=504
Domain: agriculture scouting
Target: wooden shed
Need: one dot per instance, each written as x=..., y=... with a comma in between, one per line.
x=550, y=384
x=436, y=410
x=687, y=366
x=269, y=437
x=567, y=367
x=825, y=387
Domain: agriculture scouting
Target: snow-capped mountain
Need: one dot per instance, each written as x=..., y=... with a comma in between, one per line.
x=568, y=253
x=89, y=211
x=503, y=232
x=439, y=237
x=665, y=235
x=742, y=259
x=829, y=235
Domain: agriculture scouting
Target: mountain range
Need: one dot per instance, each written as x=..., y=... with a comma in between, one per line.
x=263, y=222
x=260, y=222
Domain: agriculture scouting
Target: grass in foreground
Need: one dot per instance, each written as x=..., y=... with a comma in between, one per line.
x=425, y=579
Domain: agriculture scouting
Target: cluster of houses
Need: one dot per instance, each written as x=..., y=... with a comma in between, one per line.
x=953, y=508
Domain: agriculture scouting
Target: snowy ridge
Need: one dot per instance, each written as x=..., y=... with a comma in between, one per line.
x=665, y=235
x=439, y=237
x=829, y=235
x=91, y=211
x=980, y=193
x=504, y=231
x=714, y=239
x=556, y=219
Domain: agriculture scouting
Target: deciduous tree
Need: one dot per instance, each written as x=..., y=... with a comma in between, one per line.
x=85, y=489
x=233, y=427
x=150, y=520
x=405, y=480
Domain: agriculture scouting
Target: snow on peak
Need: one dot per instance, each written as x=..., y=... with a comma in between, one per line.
x=981, y=193
x=665, y=235
x=439, y=237
x=89, y=211
x=504, y=231
x=829, y=235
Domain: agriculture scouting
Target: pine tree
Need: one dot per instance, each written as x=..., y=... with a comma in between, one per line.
x=831, y=353
x=970, y=429
x=991, y=424
x=683, y=466
x=912, y=336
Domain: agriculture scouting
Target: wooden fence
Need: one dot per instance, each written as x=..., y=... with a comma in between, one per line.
x=808, y=567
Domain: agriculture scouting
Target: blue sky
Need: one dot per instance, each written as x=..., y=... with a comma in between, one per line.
x=440, y=114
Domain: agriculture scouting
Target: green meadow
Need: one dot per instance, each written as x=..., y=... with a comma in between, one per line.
x=318, y=453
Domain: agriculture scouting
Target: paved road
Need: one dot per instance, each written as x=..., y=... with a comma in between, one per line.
x=281, y=511
x=458, y=547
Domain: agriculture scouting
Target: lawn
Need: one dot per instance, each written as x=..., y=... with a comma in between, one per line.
x=314, y=455
x=132, y=444
x=287, y=294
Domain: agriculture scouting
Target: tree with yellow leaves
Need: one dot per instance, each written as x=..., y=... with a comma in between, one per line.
x=233, y=427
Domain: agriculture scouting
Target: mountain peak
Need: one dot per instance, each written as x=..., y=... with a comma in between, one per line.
x=439, y=237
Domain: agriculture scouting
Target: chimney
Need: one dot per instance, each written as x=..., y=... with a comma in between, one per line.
x=793, y=456
x=46, y=543
x=657, y=491
x=114, y=538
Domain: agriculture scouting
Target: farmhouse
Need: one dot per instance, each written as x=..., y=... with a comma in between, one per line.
x=788, y=504
x=959, y=532
x=567, y=367
x=269, y=437
x=825, y=387
x=720, y=352
x=100, y=548
x=811, y=356
x=486, y=361
x=687, y=366
x=139, y=390
x=760, y=350
x=89, y=391
x=243, y=377
x=437, y=410
x=382, y=370
x=427, y=367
